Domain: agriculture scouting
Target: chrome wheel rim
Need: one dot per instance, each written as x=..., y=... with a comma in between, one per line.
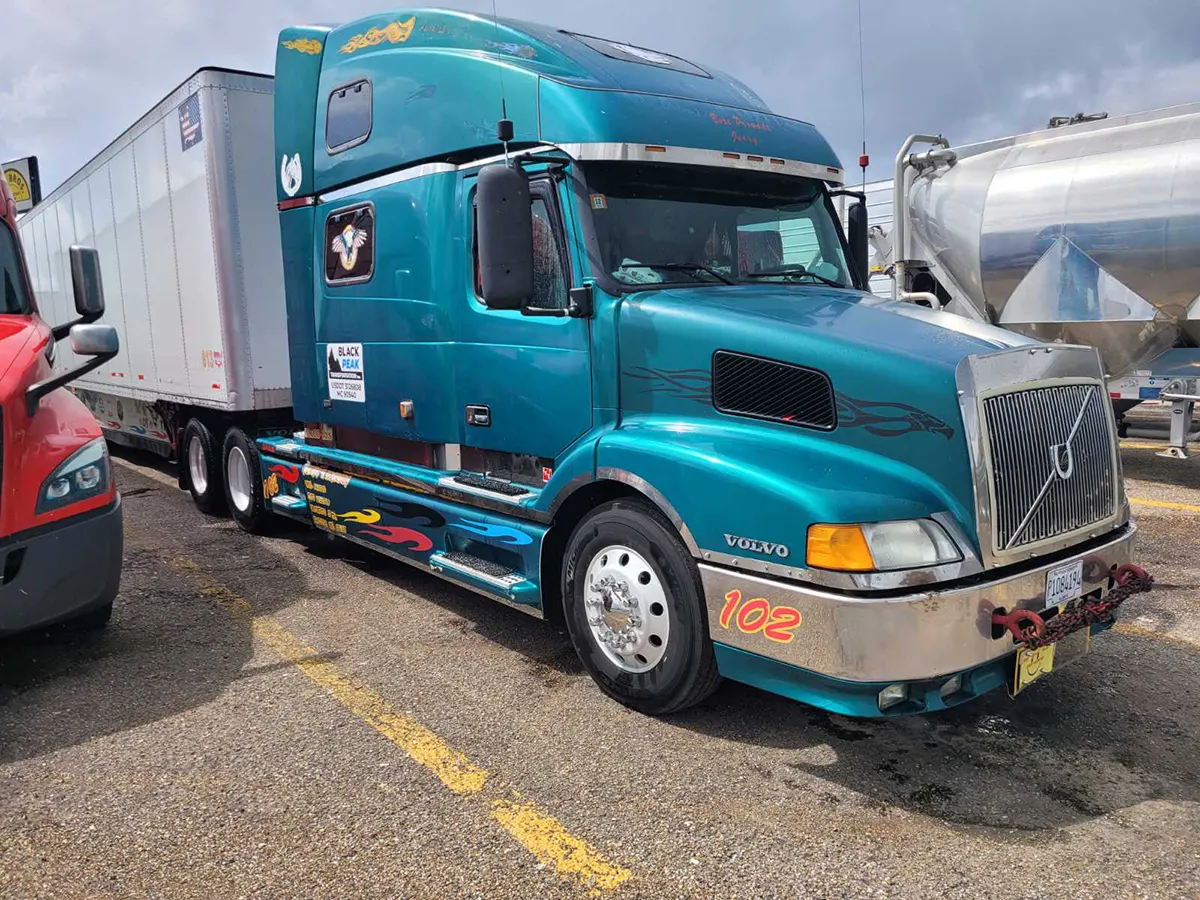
x=237, y=476
x=198, y=465
x=626, y=606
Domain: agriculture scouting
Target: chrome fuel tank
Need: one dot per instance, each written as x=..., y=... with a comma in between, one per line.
x=1088, y=233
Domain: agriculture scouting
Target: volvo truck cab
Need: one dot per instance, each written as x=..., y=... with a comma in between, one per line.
x=573, y=324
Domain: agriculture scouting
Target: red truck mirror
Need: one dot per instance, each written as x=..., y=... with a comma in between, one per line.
x=94, y=340
x=85, y=280
x=97, y=341
x=505, y=237
x=88, y=288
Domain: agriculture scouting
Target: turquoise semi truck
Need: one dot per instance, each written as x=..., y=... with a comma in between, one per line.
x=573, y=323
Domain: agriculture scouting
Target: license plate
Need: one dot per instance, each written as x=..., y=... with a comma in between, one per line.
x=1064, y=583
x=1033, y=664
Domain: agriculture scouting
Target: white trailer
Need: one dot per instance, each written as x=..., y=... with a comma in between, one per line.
x=181, y=208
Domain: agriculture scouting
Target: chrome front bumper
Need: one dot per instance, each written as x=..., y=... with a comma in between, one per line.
x=896, y=638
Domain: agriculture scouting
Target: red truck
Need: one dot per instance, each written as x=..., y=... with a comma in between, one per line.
x=61, y=537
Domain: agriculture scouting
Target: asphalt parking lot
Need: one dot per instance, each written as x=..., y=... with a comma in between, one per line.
x=287, y=717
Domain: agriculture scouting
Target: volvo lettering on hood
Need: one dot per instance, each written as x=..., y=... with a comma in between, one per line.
x=766, y=548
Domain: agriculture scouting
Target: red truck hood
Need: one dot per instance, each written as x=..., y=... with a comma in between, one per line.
x=15, y=333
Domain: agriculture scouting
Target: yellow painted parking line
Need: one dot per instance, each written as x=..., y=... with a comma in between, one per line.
x=1164, y=504
x=1135, y=445
x=544, y=837
x=571, y=857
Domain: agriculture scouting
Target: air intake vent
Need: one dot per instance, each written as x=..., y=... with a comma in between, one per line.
x=766, y=389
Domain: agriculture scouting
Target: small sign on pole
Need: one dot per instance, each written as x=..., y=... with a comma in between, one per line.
x=23, y=181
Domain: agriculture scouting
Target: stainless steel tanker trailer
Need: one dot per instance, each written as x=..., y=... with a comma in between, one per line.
x=1085, y=233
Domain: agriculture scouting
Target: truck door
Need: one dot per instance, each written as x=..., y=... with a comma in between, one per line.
x=524, y=383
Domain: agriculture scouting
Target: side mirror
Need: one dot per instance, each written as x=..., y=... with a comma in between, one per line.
x=97, y=341
x=856, y=236
x=88, y=288
x=85, y=280
x=505, y=237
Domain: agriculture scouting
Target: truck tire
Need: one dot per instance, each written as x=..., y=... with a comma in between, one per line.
x=634, y=608
x=200, y=459
x=243, y=484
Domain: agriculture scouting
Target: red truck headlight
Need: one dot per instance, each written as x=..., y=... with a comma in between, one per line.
x=86, y=473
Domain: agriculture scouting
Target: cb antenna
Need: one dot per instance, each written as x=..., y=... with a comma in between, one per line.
x=863, y=159
x=504, y=128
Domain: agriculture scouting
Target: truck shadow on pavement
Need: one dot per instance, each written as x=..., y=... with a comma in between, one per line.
x=168, y=648
x=1113, y=730
x=1110, y=731
x=1103, y=735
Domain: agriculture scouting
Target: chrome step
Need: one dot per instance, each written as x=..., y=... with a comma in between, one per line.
x=484, y=570
x=482, y=486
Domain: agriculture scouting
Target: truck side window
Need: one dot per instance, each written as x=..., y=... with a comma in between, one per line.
x=348, y=117
x=549, y=285
x=12, y=280
x=549, y=273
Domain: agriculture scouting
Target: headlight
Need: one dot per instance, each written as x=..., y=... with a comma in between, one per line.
x=86, y=473
x=880, y=546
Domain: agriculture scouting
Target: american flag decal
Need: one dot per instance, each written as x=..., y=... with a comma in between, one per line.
x=190, y=133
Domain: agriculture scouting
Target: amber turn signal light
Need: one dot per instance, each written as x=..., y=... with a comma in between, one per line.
x=840, y=547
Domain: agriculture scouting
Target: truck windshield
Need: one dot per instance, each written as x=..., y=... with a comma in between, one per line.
x=12, y=283
x=660, y=224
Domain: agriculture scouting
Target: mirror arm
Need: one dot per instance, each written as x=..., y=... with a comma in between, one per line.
x=580, y=305
x=35, y=392
x=58, y=332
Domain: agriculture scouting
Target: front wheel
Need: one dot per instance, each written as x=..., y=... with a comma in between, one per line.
x=635, y=611
x=243, y=484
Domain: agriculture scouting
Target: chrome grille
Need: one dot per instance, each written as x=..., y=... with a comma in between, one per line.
x=1052, y=462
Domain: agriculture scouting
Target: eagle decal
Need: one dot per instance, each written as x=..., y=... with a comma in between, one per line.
x=347, y=244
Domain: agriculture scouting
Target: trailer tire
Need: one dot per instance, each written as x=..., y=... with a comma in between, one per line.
x=200, y=463
x=243, y=484
x=655, y=602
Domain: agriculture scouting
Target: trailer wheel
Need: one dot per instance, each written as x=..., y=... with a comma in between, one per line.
x=243, y=484
x=634, y=608
x=200, y=462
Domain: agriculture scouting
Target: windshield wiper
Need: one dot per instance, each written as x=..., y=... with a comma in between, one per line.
x=795, y=270
x=680, y=267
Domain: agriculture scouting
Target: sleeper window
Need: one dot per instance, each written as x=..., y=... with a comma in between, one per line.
x=348, y=118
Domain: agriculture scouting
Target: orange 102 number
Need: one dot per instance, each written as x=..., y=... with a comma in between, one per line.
x=777, y=623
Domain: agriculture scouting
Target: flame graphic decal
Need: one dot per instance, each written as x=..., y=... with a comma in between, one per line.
x=290, y=474
x=362, y=516
x=502, y=533
x=396, y=534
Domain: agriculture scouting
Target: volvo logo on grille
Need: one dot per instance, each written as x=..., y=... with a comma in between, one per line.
x=1063, y=459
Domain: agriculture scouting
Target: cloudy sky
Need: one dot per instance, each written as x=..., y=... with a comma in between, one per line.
x=75, y=73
